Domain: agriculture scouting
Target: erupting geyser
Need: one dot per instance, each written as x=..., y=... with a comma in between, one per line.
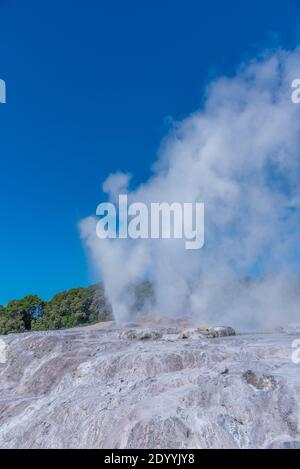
x=239, y=154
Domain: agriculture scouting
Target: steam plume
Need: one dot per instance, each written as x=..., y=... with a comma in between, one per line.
x=239, y=154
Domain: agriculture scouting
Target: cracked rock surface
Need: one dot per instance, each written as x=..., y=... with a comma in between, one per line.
x=149, y=387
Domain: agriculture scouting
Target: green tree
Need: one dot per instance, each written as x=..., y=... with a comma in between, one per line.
x=66, y=309
x=19, y=314
x=74, y=307
x=99, y=309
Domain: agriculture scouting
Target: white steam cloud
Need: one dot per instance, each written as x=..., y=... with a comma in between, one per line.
x=240, y=155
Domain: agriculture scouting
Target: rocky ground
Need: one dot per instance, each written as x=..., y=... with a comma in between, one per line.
x=149, y=386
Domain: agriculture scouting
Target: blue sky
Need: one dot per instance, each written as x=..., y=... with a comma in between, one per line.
x=90, y=87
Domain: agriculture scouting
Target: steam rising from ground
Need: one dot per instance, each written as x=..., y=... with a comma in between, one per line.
x=239, y=154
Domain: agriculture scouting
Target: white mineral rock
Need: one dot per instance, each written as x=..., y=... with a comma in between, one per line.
x=106, y=387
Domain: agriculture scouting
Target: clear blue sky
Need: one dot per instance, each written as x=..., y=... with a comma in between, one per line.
x=89, y=86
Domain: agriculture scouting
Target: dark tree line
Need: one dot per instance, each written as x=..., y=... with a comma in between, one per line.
x=66, y=309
